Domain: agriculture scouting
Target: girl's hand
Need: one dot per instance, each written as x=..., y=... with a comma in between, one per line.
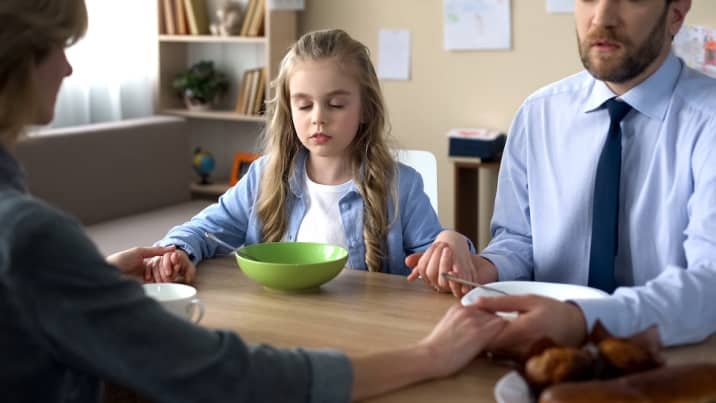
x=170, y=267
x=448, y=254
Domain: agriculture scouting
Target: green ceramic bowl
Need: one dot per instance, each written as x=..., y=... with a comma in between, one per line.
x=291, y=266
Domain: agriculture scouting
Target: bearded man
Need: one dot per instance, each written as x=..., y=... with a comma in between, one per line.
x=608, y=179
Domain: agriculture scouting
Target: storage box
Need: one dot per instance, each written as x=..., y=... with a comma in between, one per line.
x=486, y=144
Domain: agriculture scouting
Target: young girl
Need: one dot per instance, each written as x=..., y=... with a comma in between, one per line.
x=327, y=174
x=70, y=319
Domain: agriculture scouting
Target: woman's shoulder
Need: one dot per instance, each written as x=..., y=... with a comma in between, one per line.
x=15, y=204
x=22, y=212
x=30, y=227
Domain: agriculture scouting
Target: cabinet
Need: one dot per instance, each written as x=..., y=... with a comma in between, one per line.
x=472, y=217
x=221, y=130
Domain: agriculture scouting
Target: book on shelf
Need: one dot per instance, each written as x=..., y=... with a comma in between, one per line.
x=247, y=17
x=160, y=18
x=260, y=92
x=257, y=19
x=251, y=93
x=180, y=23
x=251, y=26
x=197, y=16
x=168, y=14
x=241, y=98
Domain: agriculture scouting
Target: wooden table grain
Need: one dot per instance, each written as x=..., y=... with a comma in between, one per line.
x=357, y=312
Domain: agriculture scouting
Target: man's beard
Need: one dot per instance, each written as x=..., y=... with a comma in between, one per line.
x=634, y=62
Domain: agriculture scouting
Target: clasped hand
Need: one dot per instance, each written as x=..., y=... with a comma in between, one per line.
x=157, y=264
x=539, y=317
x=450, y=254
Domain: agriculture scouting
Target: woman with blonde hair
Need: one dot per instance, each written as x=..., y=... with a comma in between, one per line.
x=327, y=174
x=70, y=318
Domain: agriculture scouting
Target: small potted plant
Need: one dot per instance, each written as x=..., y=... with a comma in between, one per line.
x=201, y=86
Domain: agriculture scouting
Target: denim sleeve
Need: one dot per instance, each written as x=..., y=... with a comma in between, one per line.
x=511, y=246
x=419, y=220
x=229, y=219
x=92, y=319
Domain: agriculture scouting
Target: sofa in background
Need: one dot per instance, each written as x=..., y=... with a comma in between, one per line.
x=127, y=182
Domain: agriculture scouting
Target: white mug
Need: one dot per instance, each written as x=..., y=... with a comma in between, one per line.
x=179, y=299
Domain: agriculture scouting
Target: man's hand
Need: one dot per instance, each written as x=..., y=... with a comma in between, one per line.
x=539, y=317
x=450, y=254
x=134, y=261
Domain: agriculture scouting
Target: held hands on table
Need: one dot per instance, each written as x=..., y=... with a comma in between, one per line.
x=539, y=317
x=450, y=254
x=159, y=264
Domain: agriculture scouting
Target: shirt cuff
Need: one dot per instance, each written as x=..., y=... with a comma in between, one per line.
x=609, y=311
x=182, y=246
x=332, y=378
x=503, y=265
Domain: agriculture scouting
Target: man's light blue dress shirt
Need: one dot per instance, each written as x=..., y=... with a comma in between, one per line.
x=234, y=218
x=666, y=260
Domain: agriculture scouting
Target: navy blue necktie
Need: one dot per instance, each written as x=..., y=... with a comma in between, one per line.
x=605, y=214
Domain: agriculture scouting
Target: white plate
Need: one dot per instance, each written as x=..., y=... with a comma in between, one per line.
x=558, y=291
x=512, y=388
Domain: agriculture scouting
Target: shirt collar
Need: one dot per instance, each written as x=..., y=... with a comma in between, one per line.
x=651, y=97
x=297, y=181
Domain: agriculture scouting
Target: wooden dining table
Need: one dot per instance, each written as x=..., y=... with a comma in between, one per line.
x=358, y=312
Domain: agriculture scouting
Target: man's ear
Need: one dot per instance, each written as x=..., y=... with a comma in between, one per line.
x=679, y=9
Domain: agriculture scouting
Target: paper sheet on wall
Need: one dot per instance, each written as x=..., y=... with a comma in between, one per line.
x=477, y=24
x=394, y=54
x=287, y=4
x=560, y=6
x=697, y=46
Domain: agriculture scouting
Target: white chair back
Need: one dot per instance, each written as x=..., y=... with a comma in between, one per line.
x=427, y=166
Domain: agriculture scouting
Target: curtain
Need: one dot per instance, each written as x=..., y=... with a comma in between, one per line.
x=114, y=65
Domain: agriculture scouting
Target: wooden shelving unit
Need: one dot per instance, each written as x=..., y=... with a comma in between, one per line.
x=211, y=39
x=210, y=191
x=232, y=55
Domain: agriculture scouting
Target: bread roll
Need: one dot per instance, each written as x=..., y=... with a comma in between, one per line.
x=558, y=364
x=693, y=383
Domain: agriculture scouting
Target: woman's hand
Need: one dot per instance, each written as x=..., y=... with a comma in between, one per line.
x=461, y=334
x=172, y=266
x=135, y=261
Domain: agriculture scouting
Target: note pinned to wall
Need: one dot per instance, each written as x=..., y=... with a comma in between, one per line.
x=477, y=24
x=697, y=46
x=287, y=4
x=394, y=54
x=560, y=6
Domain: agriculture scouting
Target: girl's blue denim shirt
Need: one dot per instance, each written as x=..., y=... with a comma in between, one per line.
x=234, y=219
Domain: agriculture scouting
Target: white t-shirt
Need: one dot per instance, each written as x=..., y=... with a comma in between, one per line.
x=322, y=222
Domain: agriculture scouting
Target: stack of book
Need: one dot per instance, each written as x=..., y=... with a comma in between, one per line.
x=253, y=24
x=252, y=92
x=183, y=17
x=190, y=17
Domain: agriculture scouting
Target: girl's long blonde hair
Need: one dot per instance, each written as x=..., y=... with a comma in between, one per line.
x=29, y=29
x=371, y=161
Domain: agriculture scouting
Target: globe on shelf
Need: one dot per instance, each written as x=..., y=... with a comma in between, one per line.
x=203, y=163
